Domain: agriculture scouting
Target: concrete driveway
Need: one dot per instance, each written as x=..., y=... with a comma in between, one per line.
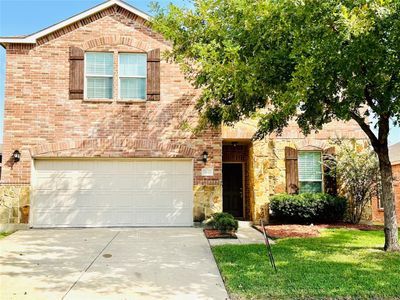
x=114, y=263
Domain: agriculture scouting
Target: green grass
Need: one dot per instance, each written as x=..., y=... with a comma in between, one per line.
x=4, y=234
x=341, y=264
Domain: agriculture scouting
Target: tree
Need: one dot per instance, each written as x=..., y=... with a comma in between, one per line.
x=357, y=170
x=306, y=60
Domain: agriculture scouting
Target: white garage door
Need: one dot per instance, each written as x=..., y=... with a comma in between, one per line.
x=90, y=193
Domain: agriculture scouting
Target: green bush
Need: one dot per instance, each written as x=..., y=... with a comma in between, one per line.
x=308, y=208
x=223, y=222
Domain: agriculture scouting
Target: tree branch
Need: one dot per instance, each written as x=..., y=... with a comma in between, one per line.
x=392, y=81
x=383, y=128
x=365, y=127
x=369, y=98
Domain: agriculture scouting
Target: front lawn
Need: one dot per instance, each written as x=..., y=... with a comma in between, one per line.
x=342, y=263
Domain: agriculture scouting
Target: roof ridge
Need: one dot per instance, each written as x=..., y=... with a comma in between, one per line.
x=32, y=38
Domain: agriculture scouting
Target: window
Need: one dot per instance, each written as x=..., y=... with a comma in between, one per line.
x=132, y=76
x=380, y=204
x=99, y=75
x=310, y=171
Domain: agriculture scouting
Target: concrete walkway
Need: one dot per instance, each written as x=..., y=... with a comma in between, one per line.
x=134, y=263
x=245, y=235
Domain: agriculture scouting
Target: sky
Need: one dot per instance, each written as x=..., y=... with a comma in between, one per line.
x=20, y=17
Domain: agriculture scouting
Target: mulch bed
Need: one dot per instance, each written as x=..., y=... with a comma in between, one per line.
x=304, y=231
x=216, y=234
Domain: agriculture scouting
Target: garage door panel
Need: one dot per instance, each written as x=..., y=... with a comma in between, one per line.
x=84, y=218
x=162, y=218
x=174, y=200
x=83, y=199
x=74, y=183
x=144, y=167
x=112, y=193
x=43, y=199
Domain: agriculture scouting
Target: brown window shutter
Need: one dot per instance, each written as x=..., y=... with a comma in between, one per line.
x=330, y=183
x=292, y=171
x=76, y=73
x=153, y=75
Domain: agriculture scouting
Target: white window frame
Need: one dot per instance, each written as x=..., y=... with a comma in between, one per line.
x=94, y=76
x=119, y=79
x=380, y=203
x=322, y=170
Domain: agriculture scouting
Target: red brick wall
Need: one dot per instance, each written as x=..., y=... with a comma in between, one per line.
x=377, y=214
x=41, y=120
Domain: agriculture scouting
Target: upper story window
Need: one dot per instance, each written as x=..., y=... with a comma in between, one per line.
x=99, y=75
x=310, y=171
x=114, y=76
x=132, y=75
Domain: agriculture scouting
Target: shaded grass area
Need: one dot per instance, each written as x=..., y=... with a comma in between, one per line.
x=341, y=264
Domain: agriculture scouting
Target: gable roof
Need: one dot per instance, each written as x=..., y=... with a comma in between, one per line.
x=32, y=38
x=394, y=154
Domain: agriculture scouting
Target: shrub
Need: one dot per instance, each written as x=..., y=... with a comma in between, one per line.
x=307, y=208
x=357, y=170
x=223, y=222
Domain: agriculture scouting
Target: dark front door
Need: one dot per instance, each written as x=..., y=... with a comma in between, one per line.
x=232, y=176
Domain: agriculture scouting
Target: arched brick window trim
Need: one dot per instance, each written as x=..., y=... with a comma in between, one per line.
x=103, y=147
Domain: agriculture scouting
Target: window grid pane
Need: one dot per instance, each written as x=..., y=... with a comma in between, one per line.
x=132, y=65
x=310, y=166
x=310, y=173
x=99, y=87
x=99, y=64
x=310, y=187
x=133, y=88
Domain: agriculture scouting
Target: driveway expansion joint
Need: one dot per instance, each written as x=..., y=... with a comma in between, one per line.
x=91, y=263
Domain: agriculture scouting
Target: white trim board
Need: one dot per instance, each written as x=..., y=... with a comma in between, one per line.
x=31, y=39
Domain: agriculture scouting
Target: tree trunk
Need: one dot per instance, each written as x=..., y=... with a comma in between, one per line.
x=380, y=145
x=389, y=206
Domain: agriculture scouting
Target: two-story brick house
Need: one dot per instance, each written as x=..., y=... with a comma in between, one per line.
x=95, y=135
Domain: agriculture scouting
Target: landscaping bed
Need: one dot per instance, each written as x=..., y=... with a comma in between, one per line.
x=343, y=263
x=296, y=230
x=216, y=234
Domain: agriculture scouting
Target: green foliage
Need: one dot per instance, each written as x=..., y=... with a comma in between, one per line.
x=314, y=61
x=223, y=222
x=310, y=61
x=4, y=234
x=357, y=170
x=341, y=264
x=308, y=208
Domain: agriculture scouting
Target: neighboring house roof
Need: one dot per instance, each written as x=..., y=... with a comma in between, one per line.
x=31, y=39
x=394, y=154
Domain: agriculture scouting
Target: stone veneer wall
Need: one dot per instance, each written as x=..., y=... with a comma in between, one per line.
x=267, y=169
x=14, y=204
x=267, y=157
x=207, y=200
x=267, y=172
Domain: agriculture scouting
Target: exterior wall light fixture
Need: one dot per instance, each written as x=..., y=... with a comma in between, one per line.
x=16, y=156
x=204, y=157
